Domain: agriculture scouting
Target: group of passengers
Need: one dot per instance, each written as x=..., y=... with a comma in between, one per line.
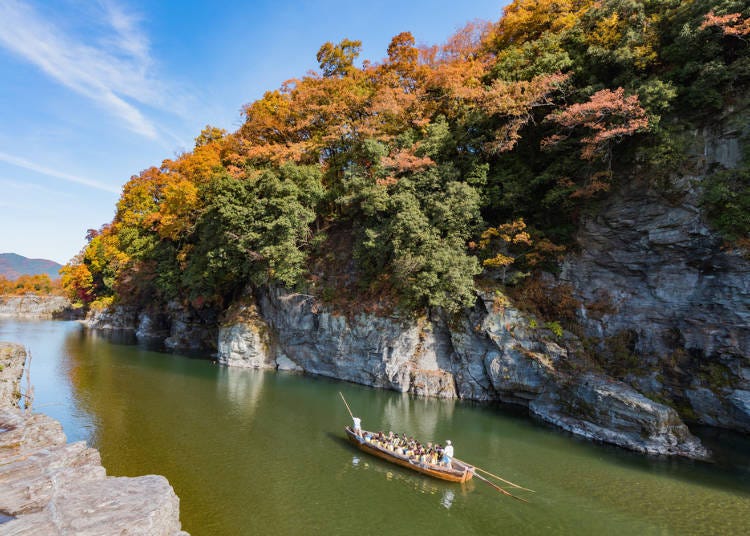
x=408, y=446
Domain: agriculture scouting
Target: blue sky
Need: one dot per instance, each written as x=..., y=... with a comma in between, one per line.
x=92, y=92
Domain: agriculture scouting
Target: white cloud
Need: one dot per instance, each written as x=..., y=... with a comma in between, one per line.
x=25, y=164
x=114, y=68
x=25, y=186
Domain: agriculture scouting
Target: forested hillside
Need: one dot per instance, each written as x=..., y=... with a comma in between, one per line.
x=409, y=181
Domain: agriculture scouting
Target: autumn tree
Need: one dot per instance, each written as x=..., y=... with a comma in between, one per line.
x=605, y=119
x=338, y=60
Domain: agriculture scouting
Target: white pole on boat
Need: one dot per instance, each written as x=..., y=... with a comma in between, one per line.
x=347, y=405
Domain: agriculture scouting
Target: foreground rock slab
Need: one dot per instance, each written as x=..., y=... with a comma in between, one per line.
x=51, y=487
x=54, y=488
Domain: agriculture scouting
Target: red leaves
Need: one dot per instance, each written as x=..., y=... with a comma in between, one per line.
x=405, y=161
x=608, y=115
x=731, y=24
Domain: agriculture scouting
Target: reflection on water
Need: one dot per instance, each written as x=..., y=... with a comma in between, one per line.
x=243, y=388
x=262, y=452
x=445, y=493
x=418, y=417
x=447, y=499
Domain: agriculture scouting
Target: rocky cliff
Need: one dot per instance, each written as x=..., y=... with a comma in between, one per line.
x=491, y=353
x=673, y=292
x=51, y=487
x=33, y=306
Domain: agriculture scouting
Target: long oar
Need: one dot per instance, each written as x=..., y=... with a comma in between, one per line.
x=498, y=488
x=347, y=405
x=495, y=476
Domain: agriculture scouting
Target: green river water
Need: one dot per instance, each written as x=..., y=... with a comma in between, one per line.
x=252, y=452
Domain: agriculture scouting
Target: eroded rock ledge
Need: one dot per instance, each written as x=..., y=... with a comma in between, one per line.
x=51, y=487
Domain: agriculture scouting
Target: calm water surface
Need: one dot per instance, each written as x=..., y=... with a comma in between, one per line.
x=252, y=452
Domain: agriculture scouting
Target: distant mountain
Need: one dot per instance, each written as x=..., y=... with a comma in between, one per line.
x=13, y=266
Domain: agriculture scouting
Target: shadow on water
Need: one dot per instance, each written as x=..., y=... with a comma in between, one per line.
x=127, y=337
x=729, y=468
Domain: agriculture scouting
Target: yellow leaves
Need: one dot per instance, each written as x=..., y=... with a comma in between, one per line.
x=179, y=204
x=103, y=251
x=139, y=197
x=607, y=32
x=526, y=20
x=511, y=233
x=200, y=165
x=505, y=237
x=498, y=261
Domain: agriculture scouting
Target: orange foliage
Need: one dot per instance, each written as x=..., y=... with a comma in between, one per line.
x=30, y=284
x=78, y=281
x=515, y=102
x=406, y=161
x=733, y=24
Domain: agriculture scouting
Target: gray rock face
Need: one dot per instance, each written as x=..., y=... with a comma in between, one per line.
x=491, y=353
x=12, y=359
x=670, y=281
x=117, y=317
x=33, y=306
x=50, y=487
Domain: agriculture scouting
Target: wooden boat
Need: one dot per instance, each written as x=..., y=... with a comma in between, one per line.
x=459, y=472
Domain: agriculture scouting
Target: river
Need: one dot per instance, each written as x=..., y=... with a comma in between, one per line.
x=258, y=452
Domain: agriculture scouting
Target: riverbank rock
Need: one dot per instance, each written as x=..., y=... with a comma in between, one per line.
x=12, y=359
x=599, y=408
x=40, y=307
x=178, y=327
x=51, y=487
x=491, y=353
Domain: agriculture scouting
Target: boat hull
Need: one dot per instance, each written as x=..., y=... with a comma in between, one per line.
x=461, y=473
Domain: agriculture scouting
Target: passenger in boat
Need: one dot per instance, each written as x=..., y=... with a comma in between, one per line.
x=447, y=454
x=357, y=426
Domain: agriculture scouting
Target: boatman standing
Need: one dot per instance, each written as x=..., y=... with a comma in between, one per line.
x=357, y=425
x=447, y=453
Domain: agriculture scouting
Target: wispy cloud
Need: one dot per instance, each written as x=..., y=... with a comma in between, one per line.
x=31, y=166
x=26, y=186
x=113, y=66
